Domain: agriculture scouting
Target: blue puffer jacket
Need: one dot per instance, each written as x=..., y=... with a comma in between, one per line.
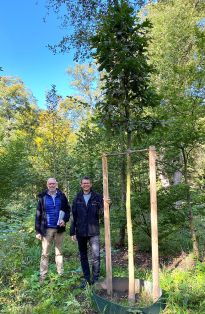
x=86, y=217
x=41, y=219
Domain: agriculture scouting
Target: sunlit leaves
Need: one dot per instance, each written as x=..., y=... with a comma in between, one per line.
x=120, y=48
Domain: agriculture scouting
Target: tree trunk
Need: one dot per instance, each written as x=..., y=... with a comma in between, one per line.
x=131, y=294
x=54, y=146
x=190, y=216
x=192, y=230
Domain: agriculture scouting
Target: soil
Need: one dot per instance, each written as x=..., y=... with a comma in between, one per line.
x=144, y=260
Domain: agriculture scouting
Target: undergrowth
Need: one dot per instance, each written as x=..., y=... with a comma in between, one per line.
x=21, y=292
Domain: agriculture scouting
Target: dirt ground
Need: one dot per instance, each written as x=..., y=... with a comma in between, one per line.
x=144, y=260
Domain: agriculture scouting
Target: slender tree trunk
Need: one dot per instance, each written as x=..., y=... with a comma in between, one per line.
x=131, y=294
x=190, y=216
x=54, y=147
x=121, y=242
x=192, y=228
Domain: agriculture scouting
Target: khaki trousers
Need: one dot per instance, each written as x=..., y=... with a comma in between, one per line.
x=57, y=238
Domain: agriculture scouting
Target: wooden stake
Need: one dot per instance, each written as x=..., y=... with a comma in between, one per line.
x=154, y=227
x=107, y=226
x=131, y=294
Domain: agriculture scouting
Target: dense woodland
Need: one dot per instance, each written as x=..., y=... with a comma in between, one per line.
x=140, y=81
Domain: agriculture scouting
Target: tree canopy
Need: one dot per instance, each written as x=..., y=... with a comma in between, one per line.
x=81, y=18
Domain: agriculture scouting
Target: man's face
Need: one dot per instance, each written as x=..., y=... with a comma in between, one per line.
x=52, y=185
x=86, y=185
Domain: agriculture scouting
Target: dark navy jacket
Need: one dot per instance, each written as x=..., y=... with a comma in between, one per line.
x=86, y=217
x=41, y=219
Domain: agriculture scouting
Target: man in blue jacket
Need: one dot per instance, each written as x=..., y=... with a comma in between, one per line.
x=86, y=209
x=52, y=213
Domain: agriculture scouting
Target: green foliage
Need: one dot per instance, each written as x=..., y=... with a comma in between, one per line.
x=14, y=168
x=185, y=290
x=81, y=18
x=177, y=52
x=86, y=81
x=22, y=293
x=20, y=290
x=68, y=138
x=120, y=48
x=18, y=116
x=53, y=140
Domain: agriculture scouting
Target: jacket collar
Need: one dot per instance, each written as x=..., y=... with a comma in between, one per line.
x=58, y=192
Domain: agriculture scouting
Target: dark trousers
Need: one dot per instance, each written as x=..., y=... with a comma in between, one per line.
x=94, y=243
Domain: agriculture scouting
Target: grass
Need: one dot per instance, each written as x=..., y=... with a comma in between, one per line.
x=185, y=290
x=21, y=292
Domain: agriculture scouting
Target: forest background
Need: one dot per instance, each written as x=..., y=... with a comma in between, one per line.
x=140, y=78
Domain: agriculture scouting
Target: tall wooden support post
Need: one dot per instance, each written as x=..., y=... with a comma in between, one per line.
x=131, y=294
x=107, y=226
x=154, y=227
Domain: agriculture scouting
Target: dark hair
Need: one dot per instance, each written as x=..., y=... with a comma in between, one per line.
x=86, y=178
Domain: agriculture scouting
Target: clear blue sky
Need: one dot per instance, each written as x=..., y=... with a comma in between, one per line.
x=23, y=51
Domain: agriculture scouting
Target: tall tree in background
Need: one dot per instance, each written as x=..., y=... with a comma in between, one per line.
x=177, y=50
x=86, y=81
x=52, y=100
x=16, y=103
x=54, y=140
x=18, y=120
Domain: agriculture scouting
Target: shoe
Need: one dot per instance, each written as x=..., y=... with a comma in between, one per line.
x=83, y=284
x=94, y=281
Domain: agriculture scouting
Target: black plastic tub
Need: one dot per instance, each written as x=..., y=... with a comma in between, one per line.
x=120, y=285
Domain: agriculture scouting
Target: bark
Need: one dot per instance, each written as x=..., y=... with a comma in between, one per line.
x=190, y=211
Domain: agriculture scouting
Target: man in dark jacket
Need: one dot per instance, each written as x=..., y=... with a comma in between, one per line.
x=52, y=213
x=86, y=210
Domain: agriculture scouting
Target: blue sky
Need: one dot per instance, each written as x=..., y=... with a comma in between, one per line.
x=23, y=51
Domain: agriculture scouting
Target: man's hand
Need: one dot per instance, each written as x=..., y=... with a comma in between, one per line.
x=39, y=236
x=74, y=238
x=62, y=223
x=108, y=200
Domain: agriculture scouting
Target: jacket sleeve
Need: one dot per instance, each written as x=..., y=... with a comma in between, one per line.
x=66, y=208
x=74, y=218
x=38, y=217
